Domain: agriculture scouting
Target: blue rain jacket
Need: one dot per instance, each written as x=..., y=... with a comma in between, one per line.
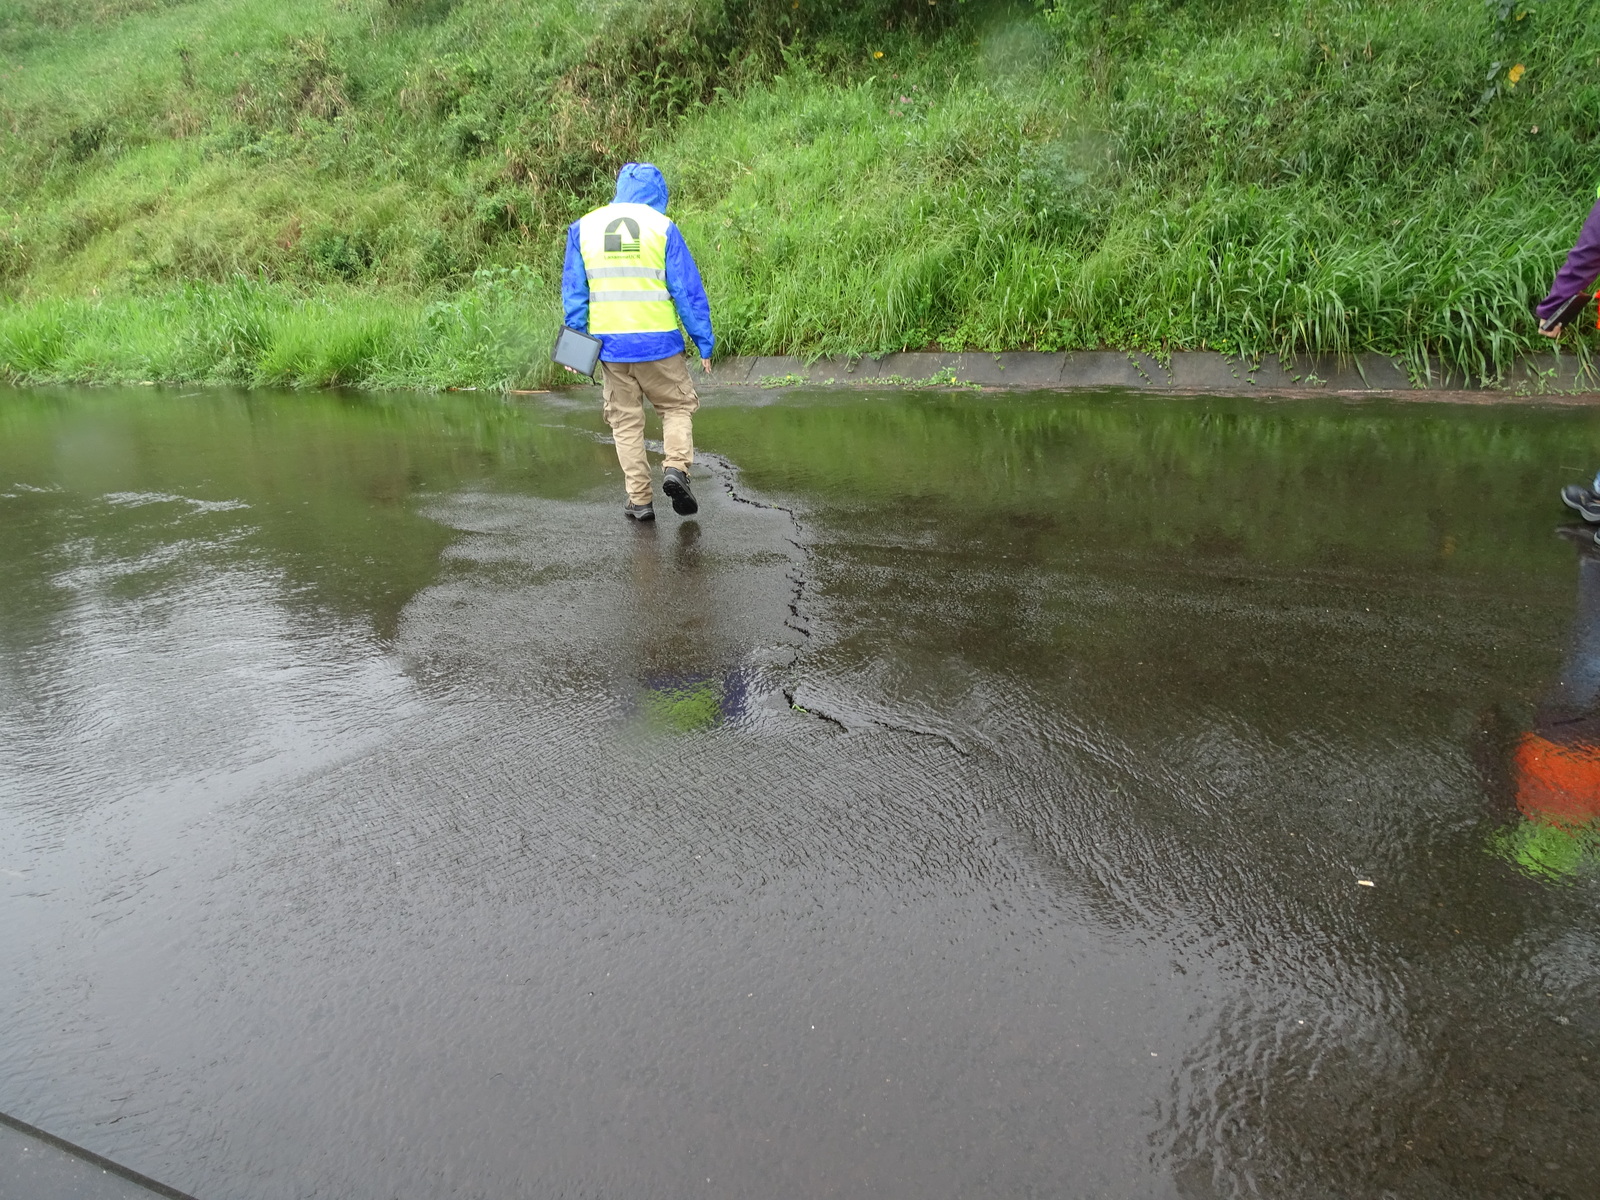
x=641, y=183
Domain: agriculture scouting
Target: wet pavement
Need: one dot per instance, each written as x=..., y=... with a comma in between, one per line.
x=1036, y=796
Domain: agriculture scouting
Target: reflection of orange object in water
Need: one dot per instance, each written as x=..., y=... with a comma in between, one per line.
x=1557, y=783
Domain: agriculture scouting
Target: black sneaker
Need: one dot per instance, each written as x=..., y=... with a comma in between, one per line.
x=1585, y=502
x=676, y=485
x=640, y=512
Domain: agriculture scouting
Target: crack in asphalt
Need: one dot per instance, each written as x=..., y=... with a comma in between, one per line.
x=728, y=475
x=726, y=472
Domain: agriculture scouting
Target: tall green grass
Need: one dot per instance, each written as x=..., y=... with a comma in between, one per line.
x=395, y=144
x=1251, y=176
x=1246, y=178
x=492, y=333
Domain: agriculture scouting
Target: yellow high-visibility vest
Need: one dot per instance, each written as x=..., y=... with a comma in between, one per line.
x=624, y=249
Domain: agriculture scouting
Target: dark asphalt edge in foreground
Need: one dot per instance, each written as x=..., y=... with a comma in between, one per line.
x=1559, y=374
x=89, y=1156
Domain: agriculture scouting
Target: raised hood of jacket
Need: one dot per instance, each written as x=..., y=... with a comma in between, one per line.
x=641, y=183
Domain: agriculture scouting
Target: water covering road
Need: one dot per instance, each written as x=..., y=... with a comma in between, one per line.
x=974, y=801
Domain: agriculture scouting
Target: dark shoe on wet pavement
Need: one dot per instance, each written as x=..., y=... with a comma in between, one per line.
x=1583, y=501
x=640, y=512
x=676, y=485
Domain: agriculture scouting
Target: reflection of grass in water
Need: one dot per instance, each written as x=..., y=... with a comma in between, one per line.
x=334, y=483
x=1313, y=482
x=1549, y=851
x=682, y=709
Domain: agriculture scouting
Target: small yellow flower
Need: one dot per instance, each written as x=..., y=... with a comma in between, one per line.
x=1514, y=76
x=877, y=54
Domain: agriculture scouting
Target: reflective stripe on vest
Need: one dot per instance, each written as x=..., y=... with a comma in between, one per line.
x=625, y=245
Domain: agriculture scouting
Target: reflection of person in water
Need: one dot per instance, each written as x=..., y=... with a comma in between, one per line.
x=1556, y=764
x=677, y=690
x=687, y=703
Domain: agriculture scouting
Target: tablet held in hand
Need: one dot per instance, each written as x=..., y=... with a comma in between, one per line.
x=576, y=351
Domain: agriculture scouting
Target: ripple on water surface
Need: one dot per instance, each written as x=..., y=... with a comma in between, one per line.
x=982, y=811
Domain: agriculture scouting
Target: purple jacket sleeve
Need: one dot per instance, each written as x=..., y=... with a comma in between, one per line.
x=1580, y=269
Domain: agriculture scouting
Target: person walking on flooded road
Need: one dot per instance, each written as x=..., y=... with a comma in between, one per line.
x=628, y=279
x=1558, y=310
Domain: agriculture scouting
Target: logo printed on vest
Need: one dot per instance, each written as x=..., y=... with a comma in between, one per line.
x=614, y=243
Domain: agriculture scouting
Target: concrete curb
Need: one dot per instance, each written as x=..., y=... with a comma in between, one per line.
x=1188, y=371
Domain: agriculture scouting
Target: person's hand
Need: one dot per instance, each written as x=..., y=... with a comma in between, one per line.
x=705, y=365
x=1553, y=332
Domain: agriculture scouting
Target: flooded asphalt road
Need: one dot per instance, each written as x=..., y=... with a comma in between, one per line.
x=974, y=801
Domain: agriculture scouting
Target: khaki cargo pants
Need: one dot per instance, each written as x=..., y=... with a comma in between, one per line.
x=665, y=383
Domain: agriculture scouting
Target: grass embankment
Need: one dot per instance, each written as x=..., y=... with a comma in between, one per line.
x=375, y=192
